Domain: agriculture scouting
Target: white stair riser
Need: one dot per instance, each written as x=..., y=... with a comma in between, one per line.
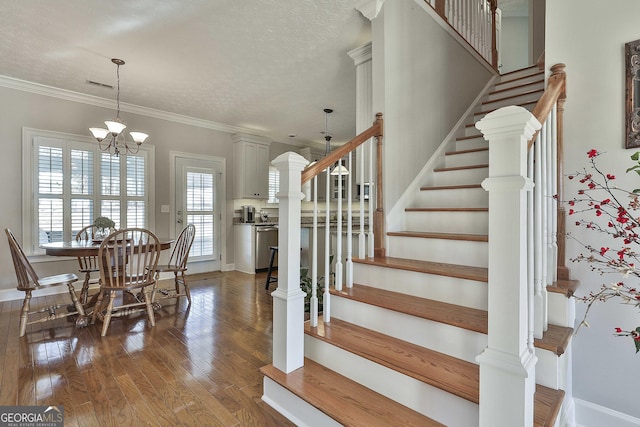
x=516, y=79
x=467, y=159
x=460, y=176
x=470, y=144
x=515, y=100
x=448, y=222
x=551, y=369
x=561, y=310
x=480, y=115
x=439, y=250
x=297, y=410
x=453, y=198
x=456, y=342
x=421, y=397
x=452, y=290
x=472, y=130
x=515, y=90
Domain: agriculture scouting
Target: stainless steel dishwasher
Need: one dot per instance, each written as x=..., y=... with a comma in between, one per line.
x=266, y=235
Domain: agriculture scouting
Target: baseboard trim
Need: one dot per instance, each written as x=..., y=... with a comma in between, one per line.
x=589, y=414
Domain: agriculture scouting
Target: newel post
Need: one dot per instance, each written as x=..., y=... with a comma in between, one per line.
x=288, y=298
x=507, y=365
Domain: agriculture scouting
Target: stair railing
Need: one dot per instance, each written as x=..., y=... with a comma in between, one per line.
x=525, y=254
x=288, y=305
x=477, y=21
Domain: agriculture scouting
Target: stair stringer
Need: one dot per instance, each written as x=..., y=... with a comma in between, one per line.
x=395, y=219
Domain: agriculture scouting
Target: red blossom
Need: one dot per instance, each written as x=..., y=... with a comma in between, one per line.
x=609, y=176
x=603, y=251
x=571, y=211
x=605, y=201
x=592, y=185
x=581, y=192
x=592, y=153
x=571, y=203
x=618, y=330
x=598, y=212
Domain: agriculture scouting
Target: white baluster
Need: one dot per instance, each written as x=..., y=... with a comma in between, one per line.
x=530, y=254
x=338, y=267
x=326, y=313
x=349, y=264
x=313, y=312
x=539, y=247
x=361, y=235
x=372, y=196
x=554, y=202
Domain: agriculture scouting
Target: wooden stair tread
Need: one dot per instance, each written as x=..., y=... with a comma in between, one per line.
x=455, y=315
x=463, y=138
x=450, y=187
x=556, y=339
x=458, y=168
x=442, y=269
x=440, y=370
x=509, y=80
x=452, y=209
x=447, y=236
x=564, y=286
x=546, y=406
x=346, y=401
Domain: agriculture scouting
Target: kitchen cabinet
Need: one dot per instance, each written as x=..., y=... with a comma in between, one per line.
x=250, y=167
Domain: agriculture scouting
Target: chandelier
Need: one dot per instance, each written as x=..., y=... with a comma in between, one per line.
x=109, y=139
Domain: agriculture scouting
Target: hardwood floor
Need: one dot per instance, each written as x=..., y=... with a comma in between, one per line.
x=196, y=367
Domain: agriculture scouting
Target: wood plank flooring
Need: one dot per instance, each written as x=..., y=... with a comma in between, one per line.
x=196, y=367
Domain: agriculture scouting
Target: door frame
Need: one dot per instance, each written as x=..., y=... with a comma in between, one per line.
x=221, y=196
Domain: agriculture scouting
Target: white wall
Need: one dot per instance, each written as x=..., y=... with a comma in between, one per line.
x=423, y=81
x=590, y=39
x=515, y=43
x=20, y=109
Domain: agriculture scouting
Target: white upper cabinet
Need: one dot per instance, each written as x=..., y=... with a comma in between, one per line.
x=250, y=167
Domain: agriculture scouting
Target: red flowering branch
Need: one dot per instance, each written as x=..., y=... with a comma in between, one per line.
x=604, y=208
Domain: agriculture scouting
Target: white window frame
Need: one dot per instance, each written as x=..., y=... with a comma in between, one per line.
x=274, y=185
x=29, y=181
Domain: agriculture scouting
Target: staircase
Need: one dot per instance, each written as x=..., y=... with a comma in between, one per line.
x=401, y=345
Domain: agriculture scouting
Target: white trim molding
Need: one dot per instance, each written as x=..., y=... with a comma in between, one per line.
x=590, y=414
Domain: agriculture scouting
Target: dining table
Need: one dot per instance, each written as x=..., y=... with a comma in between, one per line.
x=88, y=248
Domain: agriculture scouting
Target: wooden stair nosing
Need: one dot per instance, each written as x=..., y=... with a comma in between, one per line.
x=445, y=236
x=462, y=317
x=555, y=339
x=450, y=187
x=479, y=274
x=546, y=406
x=534, y=73
x=440, y=370
x=563, y=286
x=471, y=150
x=459, y=168
x=446, y=209
x=344, y=400
x=530, y=92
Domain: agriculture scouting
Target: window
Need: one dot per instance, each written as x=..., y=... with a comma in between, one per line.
x=69, y=182
x=274, y=184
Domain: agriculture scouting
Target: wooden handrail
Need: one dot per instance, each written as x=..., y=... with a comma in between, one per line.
x=555, y=92
x=374, y=131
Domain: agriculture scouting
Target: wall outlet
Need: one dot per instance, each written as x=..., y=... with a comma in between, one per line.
x=164, y=208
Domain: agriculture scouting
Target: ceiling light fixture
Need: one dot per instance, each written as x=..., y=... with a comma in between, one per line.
x=109, y=139
x=337, y=169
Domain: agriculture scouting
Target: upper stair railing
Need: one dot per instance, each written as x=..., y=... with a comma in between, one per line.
x=288, y=310
x=525, y=254
x=477, y=21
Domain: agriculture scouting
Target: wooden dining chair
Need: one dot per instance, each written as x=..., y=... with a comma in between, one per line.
x=28, y=282
x=88, y=264
x=127, y=262
x=178, y=264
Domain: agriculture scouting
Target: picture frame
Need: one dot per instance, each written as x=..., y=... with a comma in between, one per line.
x=632, y=94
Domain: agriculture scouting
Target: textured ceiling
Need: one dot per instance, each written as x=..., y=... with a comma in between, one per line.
x=266, y=65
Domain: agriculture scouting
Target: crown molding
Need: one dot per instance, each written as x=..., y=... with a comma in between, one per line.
x=68, y=95
x=361, y=54
x=370, y=8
